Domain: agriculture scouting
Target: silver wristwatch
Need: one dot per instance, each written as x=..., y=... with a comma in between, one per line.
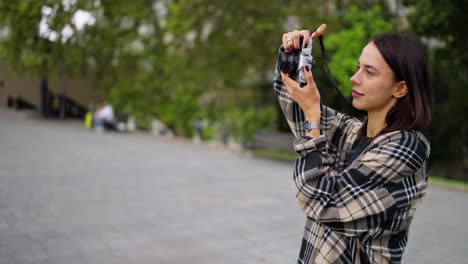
x=309, y=125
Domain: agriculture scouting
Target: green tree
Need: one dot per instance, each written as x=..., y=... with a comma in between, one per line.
x=101, y=51
x=211, y=65
x=347, y=43
x=442, y=26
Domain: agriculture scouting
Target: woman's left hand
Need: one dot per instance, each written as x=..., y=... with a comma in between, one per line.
x=308, y=97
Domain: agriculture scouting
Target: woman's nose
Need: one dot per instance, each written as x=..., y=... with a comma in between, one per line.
x=354, y=79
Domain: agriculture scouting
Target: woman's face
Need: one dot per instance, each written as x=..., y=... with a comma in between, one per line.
x=373, y=83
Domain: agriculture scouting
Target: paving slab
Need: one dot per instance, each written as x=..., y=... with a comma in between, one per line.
x=68, y=195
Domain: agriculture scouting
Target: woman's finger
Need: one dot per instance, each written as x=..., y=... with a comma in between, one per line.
x=319, y=31
x=296, y=40
x=283, y=78
x=305, y=36
x=309, y=76
x=314, y=94
x=290, y=41
x=288, y=82
x=286, y=39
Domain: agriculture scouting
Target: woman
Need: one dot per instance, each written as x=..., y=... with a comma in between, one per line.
x=360, y=183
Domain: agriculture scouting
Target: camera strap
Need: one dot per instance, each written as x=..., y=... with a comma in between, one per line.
x=330, y=75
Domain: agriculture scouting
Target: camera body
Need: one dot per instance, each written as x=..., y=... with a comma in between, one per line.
x=293, y=63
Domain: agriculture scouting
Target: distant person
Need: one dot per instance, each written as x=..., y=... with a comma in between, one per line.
x=103, y=116
x=360, y=183
x=10, y=101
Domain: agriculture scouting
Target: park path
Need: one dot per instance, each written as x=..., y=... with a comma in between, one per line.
x=68, y=195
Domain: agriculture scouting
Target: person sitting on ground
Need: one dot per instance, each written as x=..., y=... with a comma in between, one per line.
x=103, y=116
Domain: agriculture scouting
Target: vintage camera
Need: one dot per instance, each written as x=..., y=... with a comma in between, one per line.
x=294, y=62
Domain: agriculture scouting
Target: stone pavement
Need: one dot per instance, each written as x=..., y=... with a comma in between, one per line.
x=71, y=196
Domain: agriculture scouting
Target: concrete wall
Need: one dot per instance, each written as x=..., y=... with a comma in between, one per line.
x=27, y=87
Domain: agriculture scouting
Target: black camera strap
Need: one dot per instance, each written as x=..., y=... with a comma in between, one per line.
x=330, y=75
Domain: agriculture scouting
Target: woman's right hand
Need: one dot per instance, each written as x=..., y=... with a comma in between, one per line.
x=291, y=40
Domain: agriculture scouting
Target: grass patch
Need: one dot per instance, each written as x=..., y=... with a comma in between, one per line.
x=457, y=184
x=276, y=155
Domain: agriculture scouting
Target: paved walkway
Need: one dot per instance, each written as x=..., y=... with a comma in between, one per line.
x=71, y=196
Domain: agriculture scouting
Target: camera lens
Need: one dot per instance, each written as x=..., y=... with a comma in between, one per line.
x=288, y=62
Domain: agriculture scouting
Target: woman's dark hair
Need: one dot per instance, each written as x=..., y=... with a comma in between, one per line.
x=407, y=58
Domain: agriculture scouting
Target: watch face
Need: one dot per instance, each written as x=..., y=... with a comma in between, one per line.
x=309, y=125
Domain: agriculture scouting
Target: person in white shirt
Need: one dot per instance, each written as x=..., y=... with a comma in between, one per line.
x=104, y=114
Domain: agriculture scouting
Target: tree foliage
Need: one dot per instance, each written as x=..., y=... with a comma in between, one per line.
x=347, y=43
x=442, y=25
x=179, y=60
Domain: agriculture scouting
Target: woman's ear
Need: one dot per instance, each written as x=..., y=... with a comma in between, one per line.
x=401, y=89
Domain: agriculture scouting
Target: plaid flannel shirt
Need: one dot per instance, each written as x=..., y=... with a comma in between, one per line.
x=357, y=211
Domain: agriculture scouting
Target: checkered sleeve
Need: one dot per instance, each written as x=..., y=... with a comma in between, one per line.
x=332, y=122
x=365, y=194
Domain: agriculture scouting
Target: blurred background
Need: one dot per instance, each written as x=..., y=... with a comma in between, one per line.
x=207, y=66
x=177, y=177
